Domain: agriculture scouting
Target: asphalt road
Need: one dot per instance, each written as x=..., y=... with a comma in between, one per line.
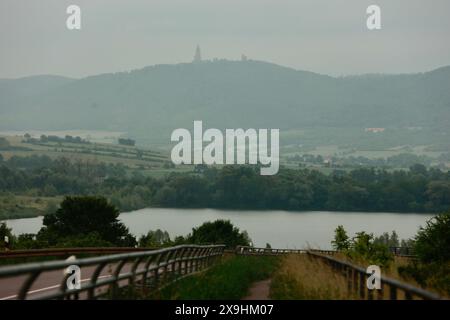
x=50, y=281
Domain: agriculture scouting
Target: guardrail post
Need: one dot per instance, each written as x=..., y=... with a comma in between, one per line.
x=380, y=292
x=191, y=262
x=26, y=286
x=93, y=280
x=203, y=257
x=206, y=255
x=362, y=285
x=370, y=294
x=392, y=292
x=170, y=263
x=156, y=270
x=355, y=281
x=178, y=262
x=348, y=278
x=132, y=280
x=115, y=286
x=195, y=259
x=145, y=274
x=165, y=267
x=408, y=295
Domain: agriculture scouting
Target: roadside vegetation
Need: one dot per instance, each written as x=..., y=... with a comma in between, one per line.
x=230, y=279
x=301, y=277
x=429, y=269
x=432, y=247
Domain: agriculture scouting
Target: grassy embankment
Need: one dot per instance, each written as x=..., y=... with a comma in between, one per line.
x=300, y=277
x=230, y=279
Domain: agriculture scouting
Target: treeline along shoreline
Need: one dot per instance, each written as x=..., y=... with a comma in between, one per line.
x=230, y=187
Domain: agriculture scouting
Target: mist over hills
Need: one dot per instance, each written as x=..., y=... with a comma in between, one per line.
x=225, y=94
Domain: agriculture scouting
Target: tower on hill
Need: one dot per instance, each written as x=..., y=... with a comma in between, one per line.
x=198, y=55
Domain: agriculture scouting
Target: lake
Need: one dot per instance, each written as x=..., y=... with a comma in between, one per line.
x=282, y=229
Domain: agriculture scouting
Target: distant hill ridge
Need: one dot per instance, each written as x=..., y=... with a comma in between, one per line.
x=224, y=94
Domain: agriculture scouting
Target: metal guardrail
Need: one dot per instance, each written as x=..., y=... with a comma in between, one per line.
x=244, y=250
x=148, y=269
x=403, y=251
x=398, y=251
x=55, y=252
x=356, y=278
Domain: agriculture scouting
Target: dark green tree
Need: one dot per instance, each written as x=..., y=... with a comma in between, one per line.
x=157, y=238
x=432, y=243
x=85, y=215
x=341, y=239
x=219, y=232
x=5, y=232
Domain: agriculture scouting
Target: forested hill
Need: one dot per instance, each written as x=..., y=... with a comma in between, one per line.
x=155, y=100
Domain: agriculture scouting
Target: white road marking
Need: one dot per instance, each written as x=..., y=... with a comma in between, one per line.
x=49, y=288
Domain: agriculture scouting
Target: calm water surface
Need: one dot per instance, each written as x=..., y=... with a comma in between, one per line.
x=281, y=229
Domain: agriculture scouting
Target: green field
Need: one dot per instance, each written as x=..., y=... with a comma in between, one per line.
x=132, y=157
x=18, y=206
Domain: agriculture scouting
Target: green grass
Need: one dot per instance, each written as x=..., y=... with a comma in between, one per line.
x=230, y=279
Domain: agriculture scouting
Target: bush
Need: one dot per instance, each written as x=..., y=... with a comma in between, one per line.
x=219, y=232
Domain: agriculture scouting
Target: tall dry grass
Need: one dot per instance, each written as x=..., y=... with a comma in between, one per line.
x=300, y=277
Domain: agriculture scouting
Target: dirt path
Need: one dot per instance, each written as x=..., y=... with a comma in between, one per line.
x=259, y=290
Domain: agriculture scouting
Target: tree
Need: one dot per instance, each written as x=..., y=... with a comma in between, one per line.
x=363, y=246
x=219, y=232
x=418, y=169
x=156, y=238
x=5, y=232
x=341, y=239
x=438, y=194
x=86, y=215
x=388, y=240
x=432, y=243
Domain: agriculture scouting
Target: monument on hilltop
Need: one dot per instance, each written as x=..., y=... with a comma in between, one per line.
x=198, y=55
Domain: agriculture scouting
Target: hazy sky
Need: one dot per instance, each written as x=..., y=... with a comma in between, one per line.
x=328, y=37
